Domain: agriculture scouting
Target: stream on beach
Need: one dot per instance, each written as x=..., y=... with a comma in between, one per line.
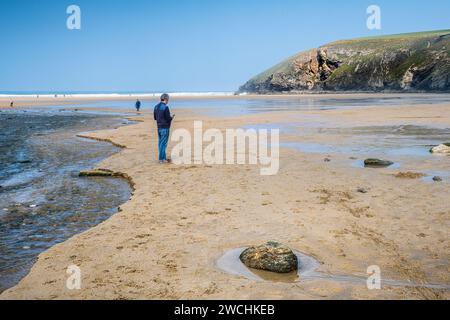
x=42, y=200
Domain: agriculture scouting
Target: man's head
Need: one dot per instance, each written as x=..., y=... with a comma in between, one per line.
x=165, y=98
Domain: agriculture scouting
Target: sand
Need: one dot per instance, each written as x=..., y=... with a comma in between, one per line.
x=165, y=241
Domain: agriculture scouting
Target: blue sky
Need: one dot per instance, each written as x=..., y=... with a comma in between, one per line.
x=180, y=45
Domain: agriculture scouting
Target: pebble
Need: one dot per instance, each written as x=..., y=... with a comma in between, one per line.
x=362, y=190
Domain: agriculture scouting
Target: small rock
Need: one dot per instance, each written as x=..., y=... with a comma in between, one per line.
x=33, y=206
x=327, y=160
x=377, y=163
x=437, y=179
x=272, y=256
x=441, y=149
x=422, y=235
x=362, y=190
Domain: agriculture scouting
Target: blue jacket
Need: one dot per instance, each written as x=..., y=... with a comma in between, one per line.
x=162, y=116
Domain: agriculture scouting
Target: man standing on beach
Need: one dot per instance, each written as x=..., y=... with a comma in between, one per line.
x=138, y=105
x=164, y=119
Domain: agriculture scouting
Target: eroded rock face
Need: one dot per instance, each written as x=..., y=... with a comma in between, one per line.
x=441, y=149
x=272, y=256
x=407, y=79
x=377, y=163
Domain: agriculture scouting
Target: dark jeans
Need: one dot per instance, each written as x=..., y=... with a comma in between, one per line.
x=163, y=136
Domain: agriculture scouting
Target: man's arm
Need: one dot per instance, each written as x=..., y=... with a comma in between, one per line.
x=154, y=113
x=167, y=115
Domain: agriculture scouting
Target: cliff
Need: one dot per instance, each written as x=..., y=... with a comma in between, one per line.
x=405, y=62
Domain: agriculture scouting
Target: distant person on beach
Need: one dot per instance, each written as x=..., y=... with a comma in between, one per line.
x=138, y=105
x=164, y=120
x=12, y=104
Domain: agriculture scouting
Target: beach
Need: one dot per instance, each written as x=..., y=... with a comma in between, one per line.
x=165, y=242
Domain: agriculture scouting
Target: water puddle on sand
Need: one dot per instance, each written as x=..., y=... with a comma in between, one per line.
x=430, y=175
x=308, y=266
x=393, y=151
x=395, y=143
x=230, y=263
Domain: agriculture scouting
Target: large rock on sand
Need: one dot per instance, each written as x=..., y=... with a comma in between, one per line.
x=272, y=256
x=441, y=149
x=377, y=163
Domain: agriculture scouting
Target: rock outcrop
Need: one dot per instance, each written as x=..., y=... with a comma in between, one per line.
x=410, y=175
x=406, y=62
x=441, y=149
x=271, y=256
x=97, y=173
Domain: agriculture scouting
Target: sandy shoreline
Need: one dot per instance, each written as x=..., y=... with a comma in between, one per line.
x=165, y=242
x=30, y=101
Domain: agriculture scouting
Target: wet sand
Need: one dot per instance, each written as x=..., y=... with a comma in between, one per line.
x=166, y=241
x=31, y=101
